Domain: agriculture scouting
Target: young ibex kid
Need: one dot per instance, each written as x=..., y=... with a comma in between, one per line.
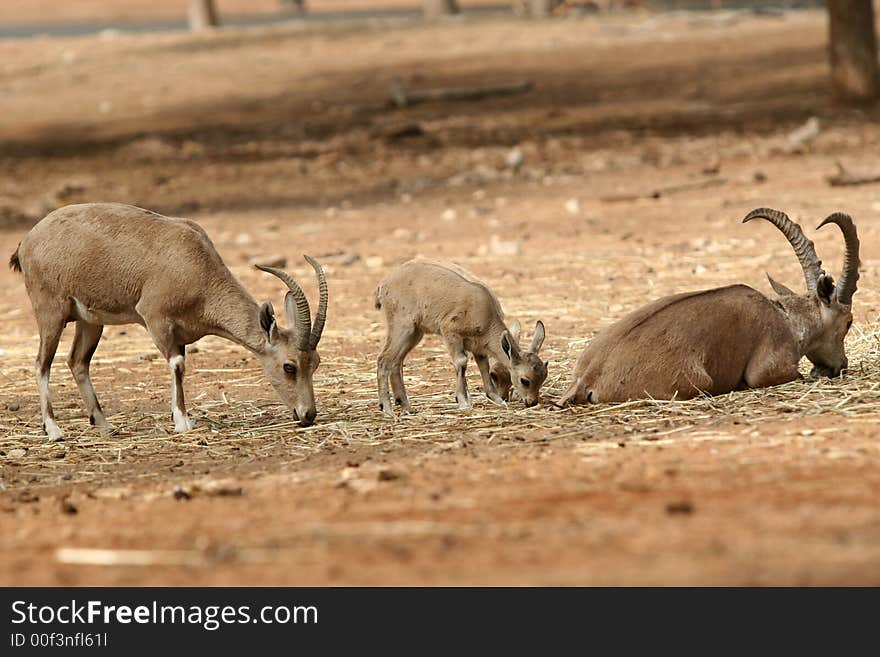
x=422, y=296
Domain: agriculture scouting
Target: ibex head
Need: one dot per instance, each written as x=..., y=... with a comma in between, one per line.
x=524, y=373
x=290, y=357
x=822, y=317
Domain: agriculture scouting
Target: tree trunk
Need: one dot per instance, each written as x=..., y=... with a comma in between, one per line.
x=435, y=8
x=293, y=6
x=202, y=15
x=854, y=73
x=541, y=8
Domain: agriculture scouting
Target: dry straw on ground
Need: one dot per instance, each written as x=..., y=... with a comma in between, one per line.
x=244, y=433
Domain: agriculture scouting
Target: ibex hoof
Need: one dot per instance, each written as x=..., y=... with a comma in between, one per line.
x=53, y=433
x=182, y=424
x=106, y=429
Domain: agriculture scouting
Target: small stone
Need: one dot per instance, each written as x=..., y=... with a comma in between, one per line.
x=573, y=206
x=388, y=475
x=374, y=262
x=17, y=453
x=12, y=406
x=181, y=493
x=683, y=507
x=28, y=497
x=68, y=507
x=450, y=215
x=497, y=246
x=342, y=259
x=277, y=261
x=221, y=488
x=514, y=158
x=806, y=133
x=760, y=176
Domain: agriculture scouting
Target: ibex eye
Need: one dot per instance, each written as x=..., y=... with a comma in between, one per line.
x=525, y=383
x=290, y=369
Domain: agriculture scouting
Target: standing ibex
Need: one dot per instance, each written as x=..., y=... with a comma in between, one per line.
x=729, y=338
x=422, y=296
x=108, y=263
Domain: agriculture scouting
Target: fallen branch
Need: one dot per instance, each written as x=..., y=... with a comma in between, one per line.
x=103, y=557
x=844, y=178
x=664, y=191
x=403, y=98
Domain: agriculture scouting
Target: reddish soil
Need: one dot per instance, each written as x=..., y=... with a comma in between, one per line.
x=280, y=141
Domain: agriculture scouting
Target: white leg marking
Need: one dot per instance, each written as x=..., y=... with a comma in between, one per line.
x=52, y=429
x=182, y=423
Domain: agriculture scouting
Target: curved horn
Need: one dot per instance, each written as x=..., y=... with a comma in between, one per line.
x=321, y=314
x=803, y=248
x=301, y=318
x=846, y=285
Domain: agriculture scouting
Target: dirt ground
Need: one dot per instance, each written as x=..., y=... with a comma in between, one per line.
x=282, y=141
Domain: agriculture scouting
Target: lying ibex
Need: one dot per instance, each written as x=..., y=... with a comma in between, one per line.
x=442, y=299
x=729, y=338
x=108, y=263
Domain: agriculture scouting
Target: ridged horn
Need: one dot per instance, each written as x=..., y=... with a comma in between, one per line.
x=296, y=307
x=321, y=315
x=846, y=284
x=803, y=248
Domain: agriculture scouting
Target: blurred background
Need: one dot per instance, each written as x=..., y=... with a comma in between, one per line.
x=583, y=158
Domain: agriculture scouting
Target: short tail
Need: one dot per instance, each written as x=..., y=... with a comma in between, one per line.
x=14, y=261
x=377, y=299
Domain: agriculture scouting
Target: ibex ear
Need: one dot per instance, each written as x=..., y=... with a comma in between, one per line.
x=515, y=330
x=825, y=289
x=267, y=320
x=508, y=346
x=779, y=288
x=538, y=338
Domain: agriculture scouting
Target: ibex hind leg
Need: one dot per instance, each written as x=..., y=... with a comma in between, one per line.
x=398, y=343
x=85, y=341
x=693, y=381
x=397, y=386
x=459, y=361
x=51, y=324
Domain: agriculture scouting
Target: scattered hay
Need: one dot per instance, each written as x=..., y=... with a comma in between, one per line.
x=242, y=429
x=235, y=432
